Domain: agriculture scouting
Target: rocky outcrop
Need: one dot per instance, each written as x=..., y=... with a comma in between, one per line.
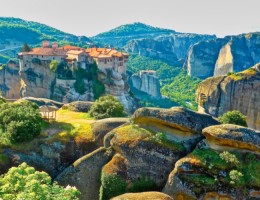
x=220, y=56
x=171, y=48
x=35, y=79
x=10, y=81
x=101, y=127
x=116, y=84
x=143, y=196
x=219, y=173
x=48, y=156
x=146, y=81
x=85, y=173
x=42, y=101
x=232, y=136
x=240, y=91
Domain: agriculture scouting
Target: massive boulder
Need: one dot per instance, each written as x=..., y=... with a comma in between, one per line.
x=85, y=173
x=179, y=118
x=232, y=136
x=220, y=56
x=146, y=81
x=238, y=91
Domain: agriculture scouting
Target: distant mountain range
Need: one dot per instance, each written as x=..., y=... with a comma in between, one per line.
x=201, y=55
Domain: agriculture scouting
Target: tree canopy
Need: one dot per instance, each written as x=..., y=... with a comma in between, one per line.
x=24, y=182
x=105, y=107
x=233, y=117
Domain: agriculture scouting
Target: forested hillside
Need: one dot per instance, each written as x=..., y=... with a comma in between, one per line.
x=176, y=84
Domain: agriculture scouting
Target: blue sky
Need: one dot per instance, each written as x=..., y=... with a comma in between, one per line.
x=89, y=17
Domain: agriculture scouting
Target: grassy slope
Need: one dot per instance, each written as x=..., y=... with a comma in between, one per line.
x=68, y=125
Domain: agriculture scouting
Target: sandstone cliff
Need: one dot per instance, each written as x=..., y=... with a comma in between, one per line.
x=35, y=79
x=146, y=81
x=240, y=91
x=171, y=48
x=220, y=56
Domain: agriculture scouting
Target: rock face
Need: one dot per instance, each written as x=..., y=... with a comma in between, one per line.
x=116, y=85
x=233, y=136
x=85, y=173
x=171, y=48
x=10, y=81
x=146, y=81
x=220, y=56
x=143, y=196
x=239, y=91
x=35, y=79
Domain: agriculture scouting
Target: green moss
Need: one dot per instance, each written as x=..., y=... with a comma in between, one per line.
x=161, y=139
x=210, y=158
x=4, y=159
x=200, y=182
x=112, y=185
x=143, y=184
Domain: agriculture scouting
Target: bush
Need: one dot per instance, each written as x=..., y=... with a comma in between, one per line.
x=229, y=158
x=20, y=122
x=24, y=182
x=105, y=107
x=2, y=100
x=233, y=117
x=80, y=86
x=112, y=185
x=54, y=65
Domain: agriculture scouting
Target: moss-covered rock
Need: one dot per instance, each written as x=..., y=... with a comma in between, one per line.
x=101, y=127
x=232, y=136
x=206, y=173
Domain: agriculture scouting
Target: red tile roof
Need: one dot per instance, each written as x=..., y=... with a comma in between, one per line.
x=104, y=53
x=47, y=52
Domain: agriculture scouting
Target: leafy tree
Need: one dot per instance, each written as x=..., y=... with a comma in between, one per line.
x=20, y=122
x=233, y=117
x=54, y=65
x=25, y=48
x=105, y=107
x=2, y=99
x=24, y=182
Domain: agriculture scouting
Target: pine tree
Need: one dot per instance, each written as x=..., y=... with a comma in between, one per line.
x=25, y=48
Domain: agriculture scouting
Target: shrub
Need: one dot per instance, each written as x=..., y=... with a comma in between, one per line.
x=105, y=107
x=233, y=117
x=229, y=158
x=2, y=100
x=236, y=177
x=112, y=185
x=20, y=122
x=80, y=86
x=24, y=182
x=54, y=65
